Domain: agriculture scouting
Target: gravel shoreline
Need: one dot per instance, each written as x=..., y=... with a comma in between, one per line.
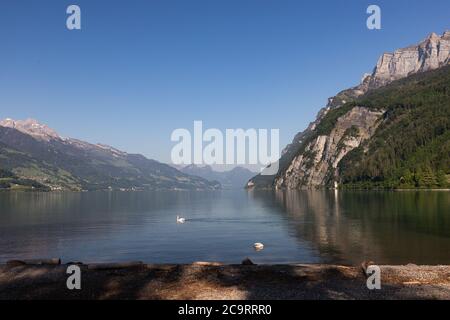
x=204, y=281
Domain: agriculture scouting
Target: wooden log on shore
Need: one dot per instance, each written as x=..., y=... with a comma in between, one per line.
x=53, y=262
x=112, y=266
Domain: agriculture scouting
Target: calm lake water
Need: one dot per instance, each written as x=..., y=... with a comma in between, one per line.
x=296, y=227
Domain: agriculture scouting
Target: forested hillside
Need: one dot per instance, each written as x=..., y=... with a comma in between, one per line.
x=411, y=147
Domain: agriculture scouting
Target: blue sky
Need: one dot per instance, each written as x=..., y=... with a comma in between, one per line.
x=140, y=69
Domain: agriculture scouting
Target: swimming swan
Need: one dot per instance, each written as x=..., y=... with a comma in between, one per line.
x=258, y=246
x=180, y=220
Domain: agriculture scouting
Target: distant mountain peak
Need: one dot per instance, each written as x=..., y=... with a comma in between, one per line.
x=433, y=36
x=235, y=178
x=31, y=127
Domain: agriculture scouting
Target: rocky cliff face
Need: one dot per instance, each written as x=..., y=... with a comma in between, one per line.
x=317, y=165
x=31, y=127
x=430, y=54
x=306, y=163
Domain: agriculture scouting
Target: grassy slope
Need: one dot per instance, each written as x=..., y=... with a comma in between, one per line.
x=9, y=181
x=66, y=165
x=26, y=167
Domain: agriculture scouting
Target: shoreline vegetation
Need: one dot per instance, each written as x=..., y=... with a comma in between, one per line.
x=24, y=190
x=9, y=182
x=29, y=186
x=46, y=279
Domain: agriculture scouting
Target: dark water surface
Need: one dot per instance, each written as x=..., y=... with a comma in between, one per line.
x=296, y=227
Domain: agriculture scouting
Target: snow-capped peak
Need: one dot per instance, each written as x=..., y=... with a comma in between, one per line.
x=31, y=127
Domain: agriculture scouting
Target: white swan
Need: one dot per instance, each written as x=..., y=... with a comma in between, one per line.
x=258, y=246
x=180, y=220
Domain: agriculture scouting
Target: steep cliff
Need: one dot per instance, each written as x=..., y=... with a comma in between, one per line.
x=347, y=122
x=317, y=165
x=430, y=54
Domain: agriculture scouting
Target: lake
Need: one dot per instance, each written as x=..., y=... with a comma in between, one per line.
x=343, y=227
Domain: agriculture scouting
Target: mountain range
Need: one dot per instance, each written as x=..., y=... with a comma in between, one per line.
x=390, y=131
x=235, y=178
x=33, y=156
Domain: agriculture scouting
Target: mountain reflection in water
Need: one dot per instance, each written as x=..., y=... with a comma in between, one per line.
x=295, y=226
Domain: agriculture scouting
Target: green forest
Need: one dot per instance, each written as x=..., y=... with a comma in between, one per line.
x=411, y=147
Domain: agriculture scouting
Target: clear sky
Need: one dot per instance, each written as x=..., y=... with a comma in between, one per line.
x=140, y=69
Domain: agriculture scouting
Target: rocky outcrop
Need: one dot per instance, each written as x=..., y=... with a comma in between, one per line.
x=430, y=54
x=316, y=166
